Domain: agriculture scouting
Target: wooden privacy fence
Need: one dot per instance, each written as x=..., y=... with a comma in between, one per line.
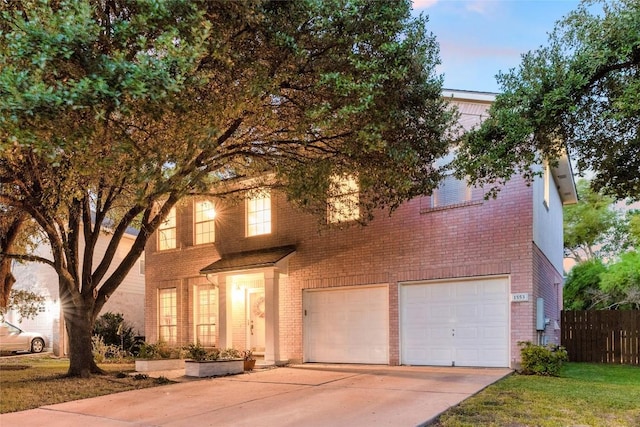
x=602, y=336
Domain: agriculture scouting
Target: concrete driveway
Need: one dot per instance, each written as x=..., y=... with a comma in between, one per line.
x=309, y=395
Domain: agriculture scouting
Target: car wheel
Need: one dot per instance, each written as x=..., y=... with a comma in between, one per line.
x=37, y=345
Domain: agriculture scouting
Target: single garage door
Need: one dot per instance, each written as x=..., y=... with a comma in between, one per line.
x=455, y=323
x=346, y=325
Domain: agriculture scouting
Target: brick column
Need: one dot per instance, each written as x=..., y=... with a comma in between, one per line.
x=271, y=316
x=225, y=335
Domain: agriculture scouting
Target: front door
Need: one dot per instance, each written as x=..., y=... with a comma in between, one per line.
x=255, y=320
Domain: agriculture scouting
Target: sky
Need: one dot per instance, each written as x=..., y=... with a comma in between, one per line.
x=479, y=38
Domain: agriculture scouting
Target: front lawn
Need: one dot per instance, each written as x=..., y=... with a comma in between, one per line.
x=32, y=381
x=585, y=394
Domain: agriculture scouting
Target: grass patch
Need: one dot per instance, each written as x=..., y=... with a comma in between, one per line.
x=584, y=394
x=43, y=382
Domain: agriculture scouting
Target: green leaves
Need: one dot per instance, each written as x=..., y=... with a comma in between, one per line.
x=593, y=285
x=579, y=91
x=582, y=288
x=622, y=281
x=590, y=226
x=111, y=112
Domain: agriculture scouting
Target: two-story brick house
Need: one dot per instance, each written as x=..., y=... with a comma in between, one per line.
x=447, y=279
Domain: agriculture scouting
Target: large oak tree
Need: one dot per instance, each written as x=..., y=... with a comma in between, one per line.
x=580, y=91
x=112, y=111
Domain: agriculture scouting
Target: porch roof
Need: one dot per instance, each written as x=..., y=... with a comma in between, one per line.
x=249, y=259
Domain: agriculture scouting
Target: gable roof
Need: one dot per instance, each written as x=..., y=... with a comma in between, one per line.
x=249, y=259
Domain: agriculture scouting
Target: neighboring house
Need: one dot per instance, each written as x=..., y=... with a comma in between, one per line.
x=448, y=279
x=42, y=279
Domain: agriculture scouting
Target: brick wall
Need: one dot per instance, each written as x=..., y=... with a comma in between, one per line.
x=547, y=284
x=484, y=237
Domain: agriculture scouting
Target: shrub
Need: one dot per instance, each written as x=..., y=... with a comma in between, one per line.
x=542, y=359
x=197, y=352
x=230, y=353
x=160, y=350
x=114, y=330
x=106, y=352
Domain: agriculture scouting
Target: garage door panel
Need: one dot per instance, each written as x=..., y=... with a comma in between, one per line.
x=440, y=355
x=498, y=333
x=354, y=322
x=463, y=323
x=467, y=312
x=439, y=313
x=467, y=355
x=417, y=312
x=468, y=333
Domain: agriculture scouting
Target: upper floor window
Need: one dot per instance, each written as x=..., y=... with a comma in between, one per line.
x=204, y=222
x=547, y=184
x=141, y=264
x=343, y=203
x=259, y=214
x=167, y=232
x=451, y=191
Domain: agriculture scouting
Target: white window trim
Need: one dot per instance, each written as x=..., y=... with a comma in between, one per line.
x=468, y=194
x=173, y=316
x=210, y=221
x=343, y=202
x=213, y=311
x=141, y=264
x=170, y=223
x=546, y=182
x=265, y=225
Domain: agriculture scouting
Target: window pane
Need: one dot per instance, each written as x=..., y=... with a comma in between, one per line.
x=206, y=314
x=204, y=221
x=167, y=232
x=343, y=203
x=167, y=239
x=167, y=316
x=259, y=215
x=451, y=191
x=141, y=265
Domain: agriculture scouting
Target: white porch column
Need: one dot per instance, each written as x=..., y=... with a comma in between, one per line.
x=272, y=316
x=225, y=295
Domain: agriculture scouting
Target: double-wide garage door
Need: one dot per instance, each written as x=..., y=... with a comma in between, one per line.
x=451, y=323
x=348, y=325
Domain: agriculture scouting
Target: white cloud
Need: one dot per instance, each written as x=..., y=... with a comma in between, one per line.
x=423, y=4
x=483, y=7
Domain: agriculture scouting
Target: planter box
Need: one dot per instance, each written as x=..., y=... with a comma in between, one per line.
x=213, y=368
x=148, y=365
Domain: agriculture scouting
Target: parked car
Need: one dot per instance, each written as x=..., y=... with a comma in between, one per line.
x=13, y=338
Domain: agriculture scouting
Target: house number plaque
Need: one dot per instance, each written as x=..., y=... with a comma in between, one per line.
x=520, y=297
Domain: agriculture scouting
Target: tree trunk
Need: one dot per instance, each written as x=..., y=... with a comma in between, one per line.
x=8, y=237
x=79, y=325
x=6, y=282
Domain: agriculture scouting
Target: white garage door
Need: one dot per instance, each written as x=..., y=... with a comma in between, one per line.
x=346, y=325
x=462, y=323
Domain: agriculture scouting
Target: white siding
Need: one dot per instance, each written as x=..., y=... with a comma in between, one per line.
x=547, y=222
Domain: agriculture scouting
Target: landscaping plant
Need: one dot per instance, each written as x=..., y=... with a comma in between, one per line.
x=542, y=359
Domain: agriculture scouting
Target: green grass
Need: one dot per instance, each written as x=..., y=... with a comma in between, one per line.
x=33, y=381
x=584, y=395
